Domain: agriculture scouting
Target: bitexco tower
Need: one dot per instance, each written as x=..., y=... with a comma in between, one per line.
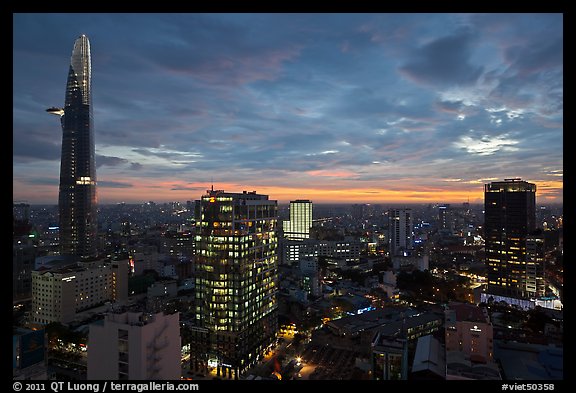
x=77, y=193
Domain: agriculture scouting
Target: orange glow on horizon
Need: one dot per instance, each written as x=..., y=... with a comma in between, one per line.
x=172, y=191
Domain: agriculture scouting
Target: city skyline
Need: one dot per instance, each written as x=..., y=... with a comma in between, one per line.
x=358, y=108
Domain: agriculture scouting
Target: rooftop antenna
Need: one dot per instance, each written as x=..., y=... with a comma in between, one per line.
x=212, y=181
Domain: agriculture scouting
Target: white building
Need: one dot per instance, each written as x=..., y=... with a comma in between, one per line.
x=135, y=346
x=58, y=294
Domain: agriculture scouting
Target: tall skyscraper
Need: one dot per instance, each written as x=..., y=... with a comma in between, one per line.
x=77, y=193
x=509, y=219
x=298, y=227
x=236, y=280
x=400, y=231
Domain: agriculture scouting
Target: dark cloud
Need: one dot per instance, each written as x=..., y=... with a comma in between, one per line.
x=444, y=61
x=109, y=161
x=32, y=145
x=113, y=184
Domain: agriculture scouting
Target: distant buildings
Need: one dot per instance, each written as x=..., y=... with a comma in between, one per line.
x=236, y=281
x=77, y=196
x=59, y=293
x=135, y=346
x=514, y=259
x=340, y=252
x=401, y=231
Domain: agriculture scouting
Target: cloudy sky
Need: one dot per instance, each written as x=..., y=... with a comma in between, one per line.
x=370, y=108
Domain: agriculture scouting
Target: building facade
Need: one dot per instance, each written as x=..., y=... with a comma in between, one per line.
x=468, y=330
x=509, y=218
x=135, y=346
x=77, y=193
x=298, y=227
x=236, y=280
x=23, y=259
x=400, y=231
x=59, y=294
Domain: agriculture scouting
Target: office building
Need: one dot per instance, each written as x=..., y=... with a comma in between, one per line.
x=236, y=280
x=135, y=346
x=535, y=286
x=77, y=193
x=344, y=251
x=59, y=294
x=298, y=227
x=510, y=217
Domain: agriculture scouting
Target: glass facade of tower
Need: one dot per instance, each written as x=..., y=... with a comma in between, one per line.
x=298, y=227
x=509, y=219
x=77, y=194
x=236, y=277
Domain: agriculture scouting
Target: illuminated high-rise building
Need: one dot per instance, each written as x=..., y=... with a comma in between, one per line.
x=77, y=193
x=298, y=227
x=236, y=280
x=509, y=219
x=295, y=231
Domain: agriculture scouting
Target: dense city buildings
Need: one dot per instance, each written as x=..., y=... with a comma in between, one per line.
x=344, y=294
x=236, y=279
x=77, y=195
x=510, y=224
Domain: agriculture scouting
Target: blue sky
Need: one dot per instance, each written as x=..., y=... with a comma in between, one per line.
x=342, y=107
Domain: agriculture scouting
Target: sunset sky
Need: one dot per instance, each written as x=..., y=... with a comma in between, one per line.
x=360, y=108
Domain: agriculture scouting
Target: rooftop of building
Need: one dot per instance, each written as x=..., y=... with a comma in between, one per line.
x=459, y=366
x=468, y=312
x=526, y=361
x=429, y=356
x=367, y=320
